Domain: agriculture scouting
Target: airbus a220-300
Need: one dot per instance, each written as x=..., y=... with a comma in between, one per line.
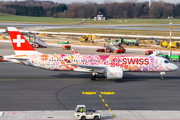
x=111, y=66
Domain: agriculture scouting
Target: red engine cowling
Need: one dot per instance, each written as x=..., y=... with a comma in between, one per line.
x=114, y=73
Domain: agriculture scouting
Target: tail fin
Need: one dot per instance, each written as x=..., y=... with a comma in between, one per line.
x=20, y=44
x=76, y=53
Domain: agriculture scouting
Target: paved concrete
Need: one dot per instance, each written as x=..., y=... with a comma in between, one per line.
x=32, y=93
x=28, y=88
x=123, y=27
x=120, y=115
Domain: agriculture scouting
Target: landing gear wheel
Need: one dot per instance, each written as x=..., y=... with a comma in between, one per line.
x=93, y=77
x=162, y=78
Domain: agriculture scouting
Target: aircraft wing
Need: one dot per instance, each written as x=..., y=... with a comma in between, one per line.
x=15, y=59
x=90, y=66
x=18, y=58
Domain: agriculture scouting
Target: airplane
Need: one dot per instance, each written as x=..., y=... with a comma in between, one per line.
x=111, y=66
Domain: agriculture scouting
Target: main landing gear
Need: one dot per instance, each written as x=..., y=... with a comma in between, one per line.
x=93, y=76
x=162, y=73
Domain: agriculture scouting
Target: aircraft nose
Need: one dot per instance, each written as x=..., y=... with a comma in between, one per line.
x=174, y=67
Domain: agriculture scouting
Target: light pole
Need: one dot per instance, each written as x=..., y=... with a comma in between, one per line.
x=170, y=52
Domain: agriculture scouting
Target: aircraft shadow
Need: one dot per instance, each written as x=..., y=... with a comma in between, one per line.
x=127, y=77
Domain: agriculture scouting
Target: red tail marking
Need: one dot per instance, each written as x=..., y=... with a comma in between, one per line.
x=19, y=42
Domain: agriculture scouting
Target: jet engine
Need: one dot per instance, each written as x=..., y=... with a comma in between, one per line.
x=114, y=73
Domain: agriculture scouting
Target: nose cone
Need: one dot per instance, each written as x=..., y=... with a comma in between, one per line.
x=174, y=67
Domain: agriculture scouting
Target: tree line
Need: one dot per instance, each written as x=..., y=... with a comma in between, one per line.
x=90, y=9
x=36, y=10
x=27, y=10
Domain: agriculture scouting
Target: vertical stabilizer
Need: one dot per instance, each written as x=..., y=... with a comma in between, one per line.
x=20, y=44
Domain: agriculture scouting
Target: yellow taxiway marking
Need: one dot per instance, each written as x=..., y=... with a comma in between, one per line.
x=100, y=95
x=103, y=93
x=113, y=115
x=89, y=93
x=107, y=93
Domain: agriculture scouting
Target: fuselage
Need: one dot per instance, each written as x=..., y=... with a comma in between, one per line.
x=127, y=63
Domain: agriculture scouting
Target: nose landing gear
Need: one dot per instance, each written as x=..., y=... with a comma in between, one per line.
x=162, y=73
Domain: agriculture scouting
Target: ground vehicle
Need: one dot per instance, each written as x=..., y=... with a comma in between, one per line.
x=115, y=49
x=175, y=58
x=87, y=38
x=128, y=41
x=83, y=114
x=120, y=50
x=64, y=42
x=66, y=47
x=36, y=42
x=177, y=43
x=167, y=44
x=1, y=57
x=149, y=52
x=100, y=50
x=164, y=56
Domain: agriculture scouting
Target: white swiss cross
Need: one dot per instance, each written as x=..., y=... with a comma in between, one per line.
x=18, y=41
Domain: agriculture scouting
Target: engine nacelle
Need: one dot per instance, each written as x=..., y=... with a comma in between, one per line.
x=114, y=73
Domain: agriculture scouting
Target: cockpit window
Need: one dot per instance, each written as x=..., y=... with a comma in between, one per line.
x=167, y=61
